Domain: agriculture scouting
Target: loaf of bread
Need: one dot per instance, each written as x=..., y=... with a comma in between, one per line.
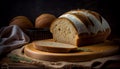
x=51, y=46
x=44, y=20
x=22, y=21
x=80, y=27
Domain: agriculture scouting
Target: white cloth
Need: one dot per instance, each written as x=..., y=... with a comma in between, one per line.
x=12, y=37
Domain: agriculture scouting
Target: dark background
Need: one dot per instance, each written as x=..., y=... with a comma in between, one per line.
x=33, y=8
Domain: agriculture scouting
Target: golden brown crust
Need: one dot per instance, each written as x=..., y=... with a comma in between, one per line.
x=19, y=17
x=86, y=39
x=22, y=21
x=84, y=19
x=97, y=15
x=44, y=20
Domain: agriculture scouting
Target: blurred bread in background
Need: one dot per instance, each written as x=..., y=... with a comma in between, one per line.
x=22, y=21
x=44, y=20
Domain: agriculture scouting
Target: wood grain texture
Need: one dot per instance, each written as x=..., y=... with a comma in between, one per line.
x=97, y=50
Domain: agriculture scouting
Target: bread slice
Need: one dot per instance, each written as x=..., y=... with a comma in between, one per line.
x=99, y=50
x=80, y=27
x=51, y=46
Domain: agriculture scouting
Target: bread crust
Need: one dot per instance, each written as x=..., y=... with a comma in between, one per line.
x=44, y=20
x=22, y=21
x=87, y=39
x=91, y=28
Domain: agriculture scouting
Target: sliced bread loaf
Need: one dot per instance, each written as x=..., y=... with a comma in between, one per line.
x=51, y=46
x=80, y=27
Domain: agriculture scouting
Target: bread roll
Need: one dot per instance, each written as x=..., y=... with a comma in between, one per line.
x=80, y=27
x=22, y=21
x=51, y=46
x=44, y=20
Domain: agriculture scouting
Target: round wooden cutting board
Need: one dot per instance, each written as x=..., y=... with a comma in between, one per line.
x=106, y=48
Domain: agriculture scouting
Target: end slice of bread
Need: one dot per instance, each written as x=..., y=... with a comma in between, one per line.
x=52, y=46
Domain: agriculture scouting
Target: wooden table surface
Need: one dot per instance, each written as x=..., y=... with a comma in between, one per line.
x=5, y=63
